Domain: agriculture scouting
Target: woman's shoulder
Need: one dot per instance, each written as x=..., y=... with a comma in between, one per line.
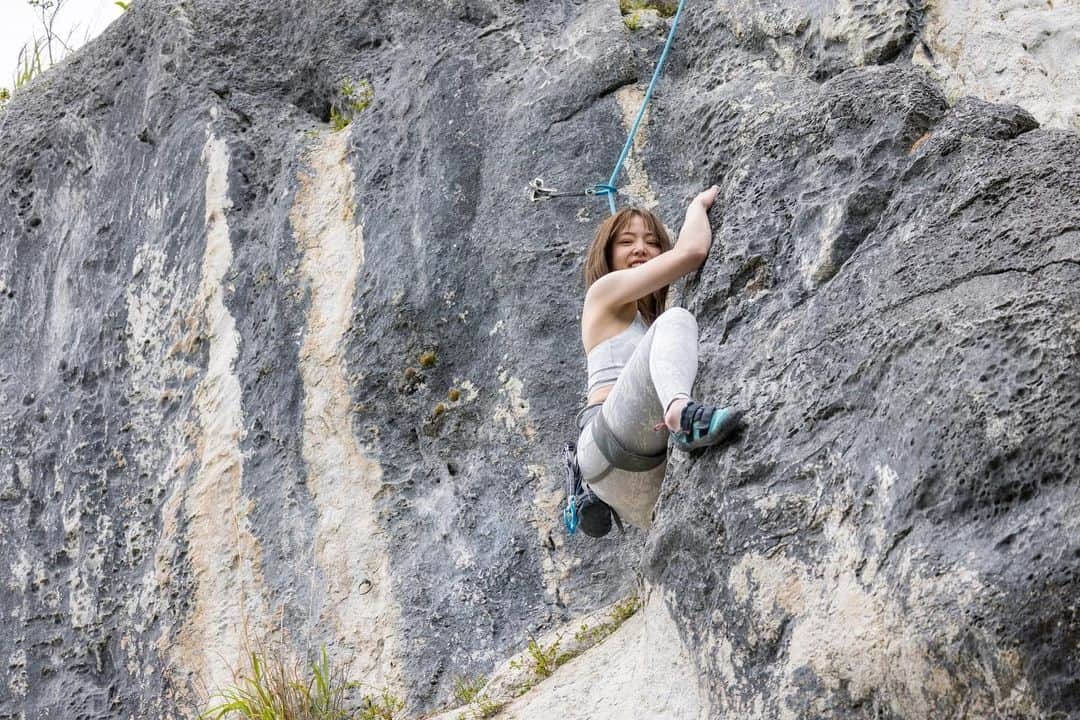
x=601, y=324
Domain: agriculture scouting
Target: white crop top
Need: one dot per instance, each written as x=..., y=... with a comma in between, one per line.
x=606, y=360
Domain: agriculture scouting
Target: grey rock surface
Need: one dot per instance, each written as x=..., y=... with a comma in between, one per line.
x=264, y=381
x=893, y=297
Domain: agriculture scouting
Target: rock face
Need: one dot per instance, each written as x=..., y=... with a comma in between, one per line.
x=899, y=314
x=1018, y=52
x=263, y=381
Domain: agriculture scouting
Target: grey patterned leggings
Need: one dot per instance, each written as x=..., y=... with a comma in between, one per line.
x=662, y=369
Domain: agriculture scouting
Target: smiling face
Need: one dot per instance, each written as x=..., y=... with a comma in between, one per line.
x=634, y=245
x=628, y=238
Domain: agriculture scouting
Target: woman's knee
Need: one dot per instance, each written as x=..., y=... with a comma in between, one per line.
x=678, y=316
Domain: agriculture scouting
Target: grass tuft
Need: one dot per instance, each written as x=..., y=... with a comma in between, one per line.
x=272, y=688
x=620, y=613
x=30, y=63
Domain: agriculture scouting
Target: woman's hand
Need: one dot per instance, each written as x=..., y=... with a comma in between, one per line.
x=706, y=198
x=695, y=238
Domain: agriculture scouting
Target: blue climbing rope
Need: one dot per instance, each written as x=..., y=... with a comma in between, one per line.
x=609, y=188
x=537, y=190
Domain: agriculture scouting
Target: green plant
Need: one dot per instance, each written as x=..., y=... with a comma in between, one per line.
x=29, y=64
x=272, y=688
x=384, y=706
x=665, y=9
x=48, y=45
x=620, y=613
x=542, y=660
x=625, y=608
x=5, y=95
x=122, y=5
x=486, y=707
x=355, y=99
x=466, y=690
x=337, y=120
x=359, y=96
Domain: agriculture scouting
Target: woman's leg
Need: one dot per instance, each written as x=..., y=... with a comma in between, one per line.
x=661, y=370
x=673, y=360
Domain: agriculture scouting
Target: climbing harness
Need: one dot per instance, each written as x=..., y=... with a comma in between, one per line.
x=583, y=508
x=616, y=454
x=538, y=191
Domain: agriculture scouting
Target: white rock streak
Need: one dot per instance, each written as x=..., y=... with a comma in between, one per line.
x=224, y=555
x=629, y=99
x=1013, y=51
x=349, y=547
x=642, y=670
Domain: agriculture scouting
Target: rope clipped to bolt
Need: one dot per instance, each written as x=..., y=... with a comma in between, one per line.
x=537, y=190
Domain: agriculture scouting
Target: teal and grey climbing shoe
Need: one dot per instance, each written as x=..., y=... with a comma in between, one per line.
x=701, y=425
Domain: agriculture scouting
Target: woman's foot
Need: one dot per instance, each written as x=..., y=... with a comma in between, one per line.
x=702, y=425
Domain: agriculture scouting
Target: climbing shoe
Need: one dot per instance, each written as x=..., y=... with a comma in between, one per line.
x=701, y=425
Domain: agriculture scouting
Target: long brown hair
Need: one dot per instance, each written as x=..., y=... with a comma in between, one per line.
x=598, y=261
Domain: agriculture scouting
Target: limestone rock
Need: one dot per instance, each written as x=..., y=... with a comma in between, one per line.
x=1025, y=52
x=266, y=381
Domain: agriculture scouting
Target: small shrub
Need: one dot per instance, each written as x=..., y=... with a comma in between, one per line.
x=384, y=706
x=466, y=690
x=454, y=395
x=486, y=707
x=358, y=96
x=542, y=660
x=625, y=608
x=337, y=120
x=620, y=613
x=428, y=358
x=355, y=99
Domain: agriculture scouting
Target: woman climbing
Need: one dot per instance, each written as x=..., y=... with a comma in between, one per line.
x=642, y=359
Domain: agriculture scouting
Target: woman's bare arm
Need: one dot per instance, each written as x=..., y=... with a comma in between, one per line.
x=623, y=287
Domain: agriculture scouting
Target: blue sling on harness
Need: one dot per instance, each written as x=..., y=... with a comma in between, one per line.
x=583, y=508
